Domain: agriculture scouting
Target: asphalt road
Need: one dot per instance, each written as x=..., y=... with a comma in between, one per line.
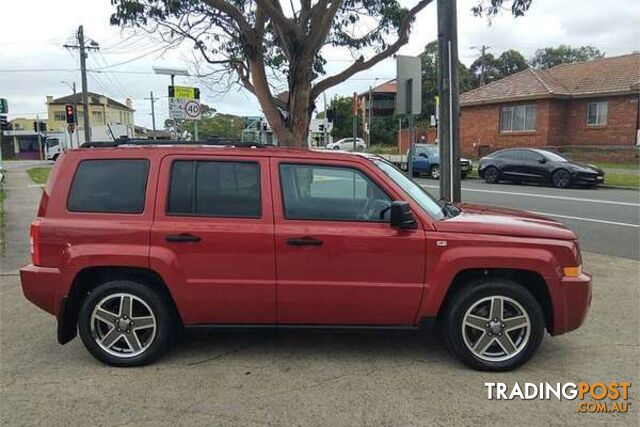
x=606, y=220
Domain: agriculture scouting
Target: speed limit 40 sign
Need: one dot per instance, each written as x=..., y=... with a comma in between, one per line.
x=184, y=109
x=192, y=109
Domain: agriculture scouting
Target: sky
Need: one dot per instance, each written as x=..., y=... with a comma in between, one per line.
x=32, y=39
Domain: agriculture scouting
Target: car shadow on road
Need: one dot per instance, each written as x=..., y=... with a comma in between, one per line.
x=201, y=347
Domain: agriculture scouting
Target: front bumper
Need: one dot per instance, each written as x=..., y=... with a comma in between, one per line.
x=583, y=178
x=575, y=301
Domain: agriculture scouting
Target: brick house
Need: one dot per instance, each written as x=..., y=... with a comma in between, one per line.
x=588, y=104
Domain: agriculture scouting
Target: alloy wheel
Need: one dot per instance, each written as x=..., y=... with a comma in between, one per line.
x=123, y=325
x=496, y=328
x=561, y=179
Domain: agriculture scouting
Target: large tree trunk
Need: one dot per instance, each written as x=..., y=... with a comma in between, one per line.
x=300, y=105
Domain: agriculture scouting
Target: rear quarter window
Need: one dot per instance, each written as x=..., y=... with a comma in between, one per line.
x=109, y=186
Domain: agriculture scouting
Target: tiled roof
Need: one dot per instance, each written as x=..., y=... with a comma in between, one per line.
x=386, y=87
x=94, y=98
x=615, y=75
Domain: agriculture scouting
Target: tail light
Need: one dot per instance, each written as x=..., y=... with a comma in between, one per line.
x=34, y=243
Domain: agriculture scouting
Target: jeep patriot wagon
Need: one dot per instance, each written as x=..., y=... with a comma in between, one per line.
x=133, y=244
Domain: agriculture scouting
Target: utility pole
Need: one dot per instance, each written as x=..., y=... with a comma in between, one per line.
x=153, y=112
x=482, y=50
x=83, y=75
x=449, y=124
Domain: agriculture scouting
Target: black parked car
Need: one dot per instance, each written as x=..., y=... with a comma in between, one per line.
x=534, y=165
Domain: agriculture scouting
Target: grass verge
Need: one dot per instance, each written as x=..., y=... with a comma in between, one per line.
x=39, y=175
x=622, y=179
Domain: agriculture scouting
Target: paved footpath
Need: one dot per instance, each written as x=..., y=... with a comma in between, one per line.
x=20, y=205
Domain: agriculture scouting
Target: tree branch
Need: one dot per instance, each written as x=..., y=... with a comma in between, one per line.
x=361, y=64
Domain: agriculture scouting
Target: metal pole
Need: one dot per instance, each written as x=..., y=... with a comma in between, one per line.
x=411, y=137
x=39, y=136
x=449, y=106
x=355, y=116
x=85, y=94
x=369, y=116
x=153, y=114
x=326, y=121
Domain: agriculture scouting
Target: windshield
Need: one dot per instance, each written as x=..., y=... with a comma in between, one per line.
x=553, y=157
x=417, y=193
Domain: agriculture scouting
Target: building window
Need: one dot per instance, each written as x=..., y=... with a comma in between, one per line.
x=518, y=118
x=59, y=116
x=96, y=117
x=597, y=113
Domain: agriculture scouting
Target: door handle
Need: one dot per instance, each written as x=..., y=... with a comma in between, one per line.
x=304, y=241
x=182, y=238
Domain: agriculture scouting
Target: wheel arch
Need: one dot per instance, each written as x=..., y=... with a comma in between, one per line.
x=530, y=280
x=91, y=277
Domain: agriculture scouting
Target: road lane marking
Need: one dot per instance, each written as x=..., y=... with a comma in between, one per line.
x=622, y=224
x=546, y=196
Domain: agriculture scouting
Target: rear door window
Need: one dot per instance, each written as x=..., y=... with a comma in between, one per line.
x=109, y=186
x=214, y=188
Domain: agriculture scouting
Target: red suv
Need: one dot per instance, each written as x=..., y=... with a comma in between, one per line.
x=133, y=244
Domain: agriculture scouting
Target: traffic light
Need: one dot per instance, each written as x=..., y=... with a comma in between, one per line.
x=4, y=124
x=42, y=126
x=35, y=127
x=70, y=113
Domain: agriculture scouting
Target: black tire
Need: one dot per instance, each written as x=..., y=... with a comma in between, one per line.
x=463, y=176
x=166, y=323
x=465, y=300
x=337, y=147
x=434, y=172
x=55, y=157
x=561, y=179
x=491, y=175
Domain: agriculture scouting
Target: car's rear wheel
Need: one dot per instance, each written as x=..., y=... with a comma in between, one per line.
x=493, y=326
x=490, y=175
x=434, y=172
x=561, y=179
x=125, y=323
x=337, y=147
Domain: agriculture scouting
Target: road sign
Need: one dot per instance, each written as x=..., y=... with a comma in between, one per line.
x=4, y=106
x=184, y=109
x=184, y=92
x=409, y=85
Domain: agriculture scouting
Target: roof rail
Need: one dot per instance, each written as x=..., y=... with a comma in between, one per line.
x=211, y=141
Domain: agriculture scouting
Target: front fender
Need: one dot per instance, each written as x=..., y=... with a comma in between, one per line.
x=466, y=252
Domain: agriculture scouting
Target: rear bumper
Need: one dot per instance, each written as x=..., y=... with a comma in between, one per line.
x=572, y=309
x=45, y=286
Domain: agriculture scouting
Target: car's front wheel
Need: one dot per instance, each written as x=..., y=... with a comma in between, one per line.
x=491, y=175
x=561, y=179
x=125, y=323
x=494, y=326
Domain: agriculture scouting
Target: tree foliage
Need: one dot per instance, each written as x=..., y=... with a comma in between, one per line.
x=343, y=119
x=270, y=45
x=429, y=59
x=564, y=54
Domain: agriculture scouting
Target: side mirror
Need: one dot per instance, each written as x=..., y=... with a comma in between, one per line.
x=401, y=216
x=542, y=160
